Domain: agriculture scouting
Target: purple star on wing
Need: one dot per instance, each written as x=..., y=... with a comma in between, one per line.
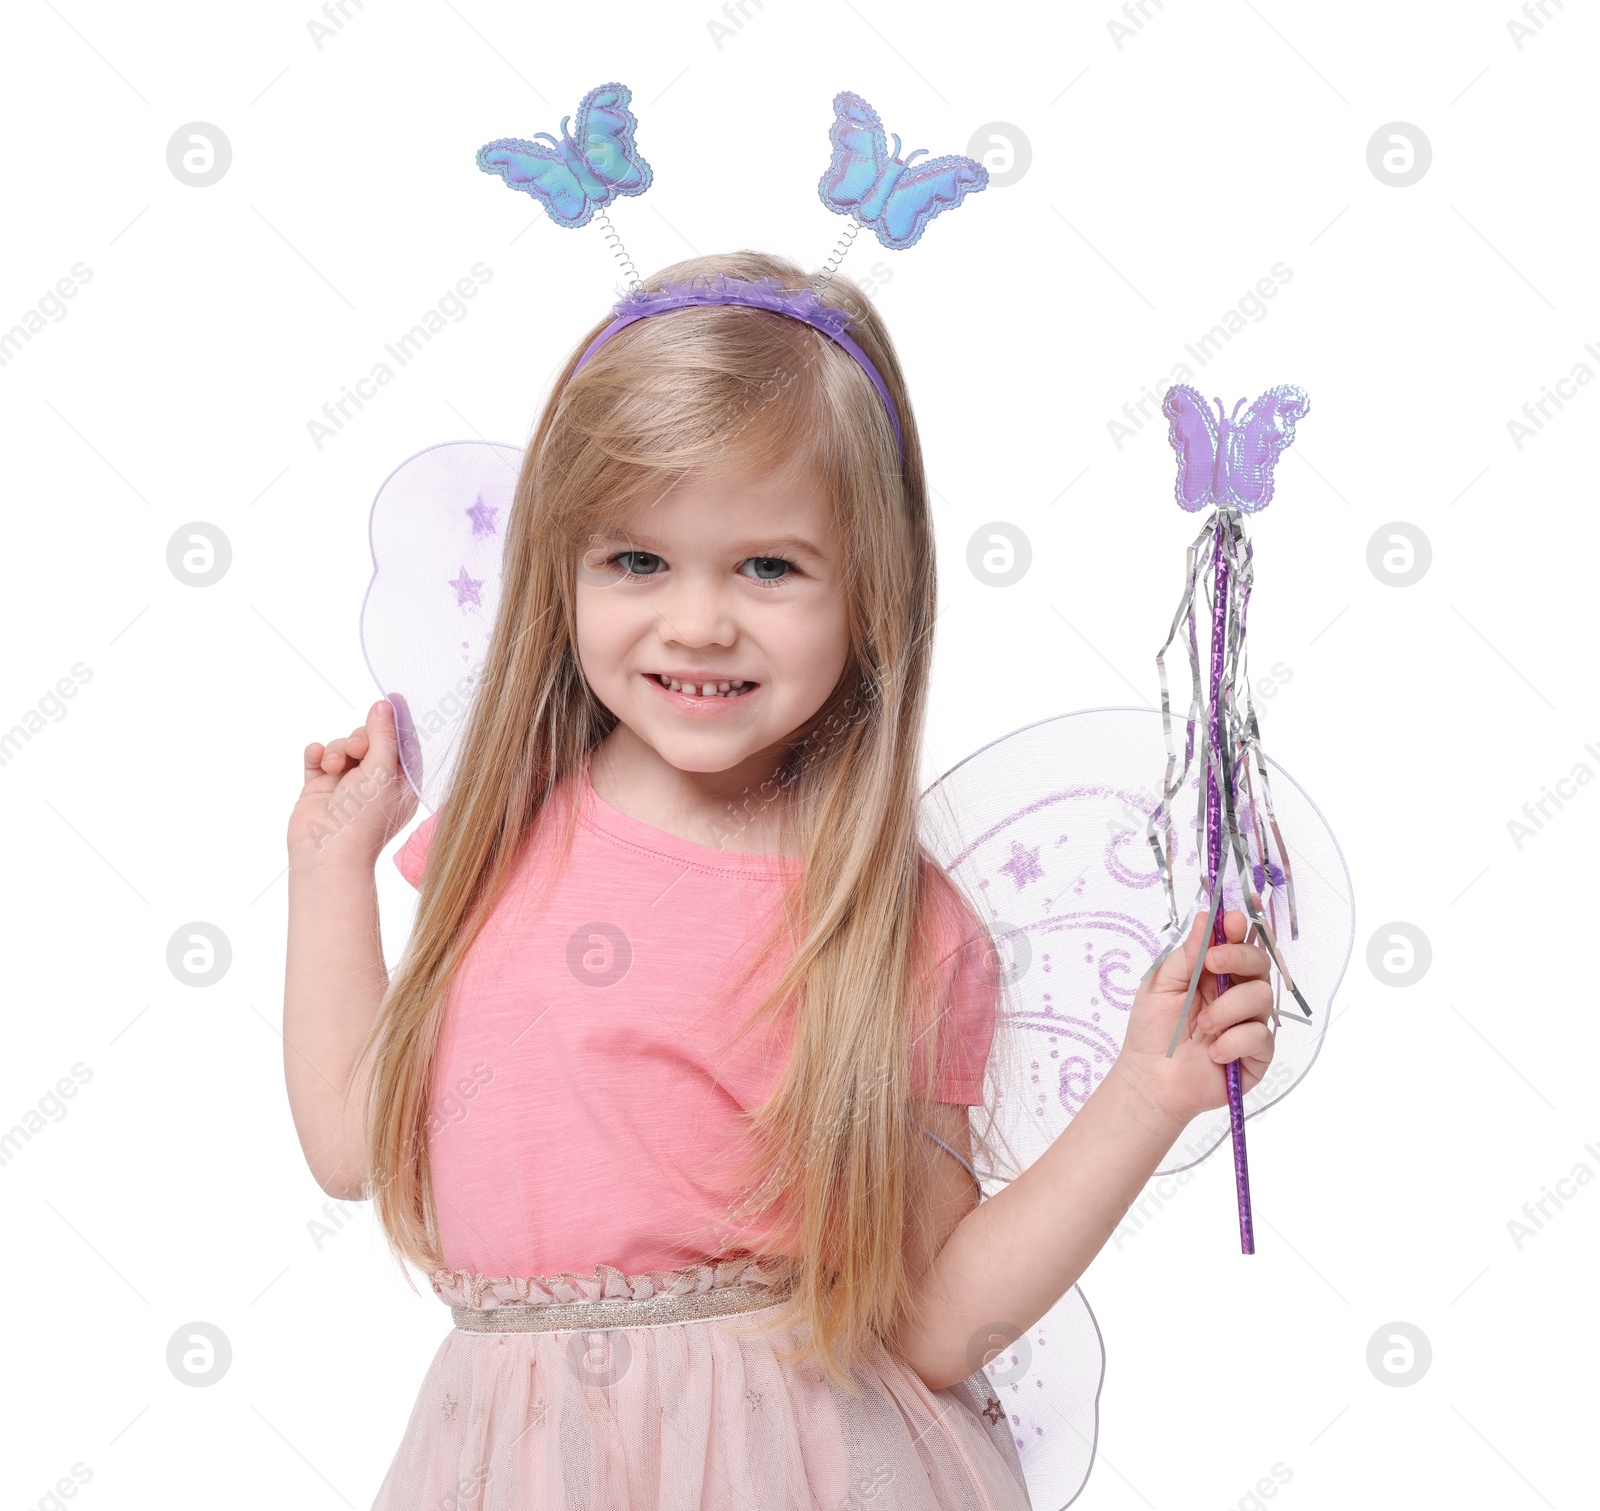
x=467, y=589
x=482, y=517
x=1023, y=866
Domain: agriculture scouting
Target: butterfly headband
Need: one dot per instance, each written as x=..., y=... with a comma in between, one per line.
x=578, y=175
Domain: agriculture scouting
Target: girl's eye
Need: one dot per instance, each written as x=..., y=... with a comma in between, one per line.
x=770, y=570
x=644, y=563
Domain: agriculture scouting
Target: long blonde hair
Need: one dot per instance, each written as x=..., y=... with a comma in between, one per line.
x=839, y=1158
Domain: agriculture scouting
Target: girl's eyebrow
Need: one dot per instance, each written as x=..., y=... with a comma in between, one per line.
x=765, y=545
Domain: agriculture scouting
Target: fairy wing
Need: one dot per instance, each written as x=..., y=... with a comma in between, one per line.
x=541, y=172
x=1044, y=832
x=1194, y=435
x=860, y=154
x=605, y=138
x=436, y=533
x=1254, y=445
x=923, y=191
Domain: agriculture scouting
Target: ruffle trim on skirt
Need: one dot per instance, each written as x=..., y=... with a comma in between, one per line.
x=606, y=1283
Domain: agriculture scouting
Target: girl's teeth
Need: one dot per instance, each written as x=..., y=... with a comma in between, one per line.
x=705, y=689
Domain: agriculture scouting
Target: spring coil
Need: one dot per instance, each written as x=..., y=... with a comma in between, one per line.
x=837, y=256
x=614, y=242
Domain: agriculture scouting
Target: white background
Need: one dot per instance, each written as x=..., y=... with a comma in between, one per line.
x=1172, y=166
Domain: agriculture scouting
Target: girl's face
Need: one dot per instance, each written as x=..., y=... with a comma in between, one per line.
x=729, y=586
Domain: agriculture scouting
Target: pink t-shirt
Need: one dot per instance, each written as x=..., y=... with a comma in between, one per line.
x=586, y=1098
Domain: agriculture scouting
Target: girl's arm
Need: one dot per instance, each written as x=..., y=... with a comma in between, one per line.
x=1013, y=1256
x=334, y=983
x=353, y=803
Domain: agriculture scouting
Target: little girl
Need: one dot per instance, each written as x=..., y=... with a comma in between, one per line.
x=670, y=1091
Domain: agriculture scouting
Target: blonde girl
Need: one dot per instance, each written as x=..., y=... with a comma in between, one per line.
x=671, y=1093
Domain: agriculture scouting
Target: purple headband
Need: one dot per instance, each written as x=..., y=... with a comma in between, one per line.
x=762, y=294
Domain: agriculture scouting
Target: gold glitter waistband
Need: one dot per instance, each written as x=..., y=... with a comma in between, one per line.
x=611, y=1312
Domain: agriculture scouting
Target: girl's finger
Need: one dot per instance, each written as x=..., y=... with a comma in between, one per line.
x=1241, y=961
x=1234, y=926
x=1246, y=1041
x=381, y=735
x=1246, y=1002
x=1179, y=965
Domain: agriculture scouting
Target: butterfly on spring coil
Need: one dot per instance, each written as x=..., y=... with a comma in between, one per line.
x=583, y=171
x=894, y=196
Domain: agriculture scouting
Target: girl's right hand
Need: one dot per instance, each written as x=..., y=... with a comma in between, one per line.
x=356, y=797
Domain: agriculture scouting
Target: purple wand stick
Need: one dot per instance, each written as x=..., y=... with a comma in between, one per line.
x=1221, y=761
x=1225, y=462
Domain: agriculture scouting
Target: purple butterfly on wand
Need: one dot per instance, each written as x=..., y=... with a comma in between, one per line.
x=1225, y=462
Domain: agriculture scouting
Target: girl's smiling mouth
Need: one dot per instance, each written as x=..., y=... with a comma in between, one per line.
x=701, y=691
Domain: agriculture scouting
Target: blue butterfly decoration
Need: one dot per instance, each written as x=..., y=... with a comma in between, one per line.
x=583, y=171
x=882, y=189
x=1224, y=461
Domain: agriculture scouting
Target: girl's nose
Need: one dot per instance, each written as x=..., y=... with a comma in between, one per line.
x=695, y=614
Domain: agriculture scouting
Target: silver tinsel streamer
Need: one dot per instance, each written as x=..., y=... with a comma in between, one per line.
x=1240, y=767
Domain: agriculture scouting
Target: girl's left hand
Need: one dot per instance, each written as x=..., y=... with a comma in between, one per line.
x=1229, y=1026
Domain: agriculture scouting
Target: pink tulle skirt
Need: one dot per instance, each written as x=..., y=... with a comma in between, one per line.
x=677, y=1406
